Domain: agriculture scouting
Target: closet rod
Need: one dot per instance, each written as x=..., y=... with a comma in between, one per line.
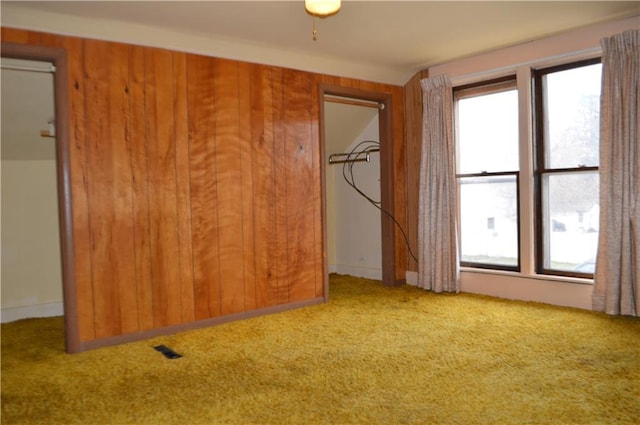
x=50, y=69
x=356, y=102
x=356, y=156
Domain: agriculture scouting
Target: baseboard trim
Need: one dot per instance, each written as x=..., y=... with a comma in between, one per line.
x=10, y=314
x=169, y=330
x=412, y=278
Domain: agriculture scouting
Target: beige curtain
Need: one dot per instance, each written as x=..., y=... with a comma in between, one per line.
x=438, y=268
x=617, y=277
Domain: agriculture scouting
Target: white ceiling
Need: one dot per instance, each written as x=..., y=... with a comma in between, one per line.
x=385, y=41
x=397, y=38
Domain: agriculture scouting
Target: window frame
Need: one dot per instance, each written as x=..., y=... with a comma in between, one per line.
x=540, y=166
x=475, y=89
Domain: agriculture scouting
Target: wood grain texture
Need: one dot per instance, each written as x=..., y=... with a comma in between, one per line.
x=183, y=188
x=263, y=165
x=204, y=202
x=228, y=178
x=140, y=186
x=196, y=185
x=413, y=137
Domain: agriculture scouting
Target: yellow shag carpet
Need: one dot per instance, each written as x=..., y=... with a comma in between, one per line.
x=372, y=355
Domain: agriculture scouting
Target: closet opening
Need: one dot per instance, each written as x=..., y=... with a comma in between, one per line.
x=359, y=239
x=48, y=163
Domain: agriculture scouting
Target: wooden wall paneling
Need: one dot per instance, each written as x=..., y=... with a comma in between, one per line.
x=317, y=153
x=262, y=142
x=280, y=177
x=163, y=217
x=229, y=182
x=14, y=35
x=413, y=143
x=247, y=188
x=196, y=184
x=183, y=194
x=109, y=187
x=202, y=166
x=300, y=184
x=400, y=182
x=140, y=186
x=79, y=188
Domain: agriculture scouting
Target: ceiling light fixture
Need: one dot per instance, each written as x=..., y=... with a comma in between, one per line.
x=321, y=9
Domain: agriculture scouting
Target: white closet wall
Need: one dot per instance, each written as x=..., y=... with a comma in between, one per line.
x=358, y=243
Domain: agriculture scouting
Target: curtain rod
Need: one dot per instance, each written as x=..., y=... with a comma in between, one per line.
x=356, y=102
x=50, y=69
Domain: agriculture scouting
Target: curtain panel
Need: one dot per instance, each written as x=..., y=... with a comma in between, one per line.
x=438, y=267
x=617, y=276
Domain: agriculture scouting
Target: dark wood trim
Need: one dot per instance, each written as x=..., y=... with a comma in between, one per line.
x=170, y=330
x=385, y=128
x=58, y=57
x=540, y=168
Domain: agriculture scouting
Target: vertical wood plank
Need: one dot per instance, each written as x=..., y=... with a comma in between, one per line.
x=140, y=186
x=299, y=187
x=400, y=182
x=229, y=181
x=79, y=189
x=163, y=218
x=413, y=143
x=317, y=158
x=279, y=244
x=183, y=194
x=262, y=134
x=247, y=189
x=204, y=214
x=109, y=187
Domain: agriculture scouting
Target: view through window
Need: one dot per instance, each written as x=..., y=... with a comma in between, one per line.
x=565, y=148
x=487, y=143
x=568, y=116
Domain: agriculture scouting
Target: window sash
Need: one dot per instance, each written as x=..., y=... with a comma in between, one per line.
x=542, y=221
x=488, y=178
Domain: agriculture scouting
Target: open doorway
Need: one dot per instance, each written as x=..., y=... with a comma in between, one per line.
x=61, y=184
x=354, y=241
x=31, y=259
x=382, y=101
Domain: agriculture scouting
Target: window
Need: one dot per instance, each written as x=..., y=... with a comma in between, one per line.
x=529, y=199
x=567, y=114
x=488, y=164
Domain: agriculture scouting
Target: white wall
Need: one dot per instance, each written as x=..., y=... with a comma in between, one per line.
x=519, y=60
x=358, y=242
x=31, y=267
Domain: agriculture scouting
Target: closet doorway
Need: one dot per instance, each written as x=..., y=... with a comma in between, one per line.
x=358, y=237
x=37, y=244
x=31, y=266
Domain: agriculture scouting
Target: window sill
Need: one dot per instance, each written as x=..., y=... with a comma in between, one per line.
x=545, y=277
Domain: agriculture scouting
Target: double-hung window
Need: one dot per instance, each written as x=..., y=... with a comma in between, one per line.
x=559, y=199
x=567, y=113
x=488, y=164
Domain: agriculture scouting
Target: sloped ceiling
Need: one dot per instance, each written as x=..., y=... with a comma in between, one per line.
x=27, y=107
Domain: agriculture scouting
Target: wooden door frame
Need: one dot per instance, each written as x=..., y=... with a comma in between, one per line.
x=58, y=56
x=385, y=129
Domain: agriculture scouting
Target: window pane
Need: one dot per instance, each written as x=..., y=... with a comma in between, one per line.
x=488, y=133
x=573, y=116
x=489, y=220
x=571, y=221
